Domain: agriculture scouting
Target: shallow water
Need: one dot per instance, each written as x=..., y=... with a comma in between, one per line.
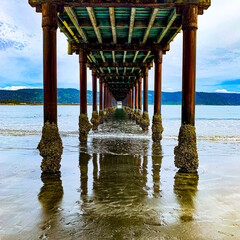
x=120, y=185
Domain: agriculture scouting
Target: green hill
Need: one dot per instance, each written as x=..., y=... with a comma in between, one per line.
x=72, y=96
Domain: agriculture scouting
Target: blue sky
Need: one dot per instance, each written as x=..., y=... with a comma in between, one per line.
x=218, y=51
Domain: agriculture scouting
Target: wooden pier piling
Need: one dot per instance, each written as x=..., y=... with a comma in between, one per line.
x=186, y=156
x=140, y=93
x=136, y=96
x=83, y=81
x=189, y=23
x=100, y=94
x=49, y=26
x=94, y=89
x=157, y=85
x=145, y=90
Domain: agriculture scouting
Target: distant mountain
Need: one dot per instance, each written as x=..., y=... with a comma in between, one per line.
x=72, y=96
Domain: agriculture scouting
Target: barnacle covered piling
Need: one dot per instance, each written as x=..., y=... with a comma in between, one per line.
x=186, y=156
x=84, y=127
x=50, y=148
x=95, y=120
x=145, y=122
x=157, y=128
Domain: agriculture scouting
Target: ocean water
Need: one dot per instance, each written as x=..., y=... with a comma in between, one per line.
x=212, y=122
x=120, y=185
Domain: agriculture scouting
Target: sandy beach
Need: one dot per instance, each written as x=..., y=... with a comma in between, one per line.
x=118, y=186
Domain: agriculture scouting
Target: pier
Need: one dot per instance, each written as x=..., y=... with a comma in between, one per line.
x=120, y=41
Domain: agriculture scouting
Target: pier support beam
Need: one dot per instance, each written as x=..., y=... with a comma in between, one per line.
x=130, y=98
x=50, y=146
x=136, y=97
x=157, y=127
x=105, y=96
x=127, y=100
x=84, y=125
x=145, y=90
x=133, y=98
x=101, y=113
x=95, y=117
x=139, y=105
x=140, y=94
x=186, y=156
x=145, y=122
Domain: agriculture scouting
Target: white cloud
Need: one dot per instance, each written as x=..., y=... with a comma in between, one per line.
x=218, y=49
x=168, y=90
x=222, y=91
x=14, y=88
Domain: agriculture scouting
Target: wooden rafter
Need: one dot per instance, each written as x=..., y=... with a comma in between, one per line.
x=116, y=75
x=114, y=33
x=73, y=18
x=175, y=34
x=150, y=24
x=112, y=20
x=130, y=33
x=92, y=17
x=122, y=3
x=146, y=57
x=117, y=47
x=171, y=19
x=121, y=65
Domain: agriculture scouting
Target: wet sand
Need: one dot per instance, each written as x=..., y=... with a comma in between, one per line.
x=119, y=187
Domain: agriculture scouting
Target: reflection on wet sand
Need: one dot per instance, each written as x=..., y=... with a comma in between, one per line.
x=50, y=197
x=156, y=166
x=185, y=189
x=84, y=158
x=120, y=194
x=120, y=186
x=120, y=204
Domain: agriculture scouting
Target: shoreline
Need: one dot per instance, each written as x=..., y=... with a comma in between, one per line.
x=89, y=104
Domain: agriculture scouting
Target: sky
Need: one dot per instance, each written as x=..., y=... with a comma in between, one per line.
x=218, y=51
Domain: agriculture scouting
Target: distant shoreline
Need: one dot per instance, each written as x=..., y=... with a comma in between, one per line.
x=89, y=104
x=68, y=96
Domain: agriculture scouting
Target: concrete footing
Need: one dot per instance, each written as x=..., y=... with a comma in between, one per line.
x=95, y=120
x=51, y=193
x=84, y=127
x=157, y=128
x=109, y=113
x=101, y=116
x=50, y=148
x=145, y=121
x=186, y=156
x=138, y=117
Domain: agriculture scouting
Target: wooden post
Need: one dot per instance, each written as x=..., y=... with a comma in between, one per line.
x=140, y=93
x=136, y=96
x=83, y=81
x=105, y=96
x=109, y=99
x=157, y=85
x=100, y=94
x=112, y=100
x=133, y=98
x=145, y=90
x=189, y=26
x=186, y=156
x=127, y=100
x=49, y=25
x=94, y=89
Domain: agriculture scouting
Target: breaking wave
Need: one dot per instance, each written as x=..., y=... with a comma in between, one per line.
x=139, y=135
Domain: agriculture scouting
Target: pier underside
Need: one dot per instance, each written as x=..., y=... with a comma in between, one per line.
x=119, y=41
